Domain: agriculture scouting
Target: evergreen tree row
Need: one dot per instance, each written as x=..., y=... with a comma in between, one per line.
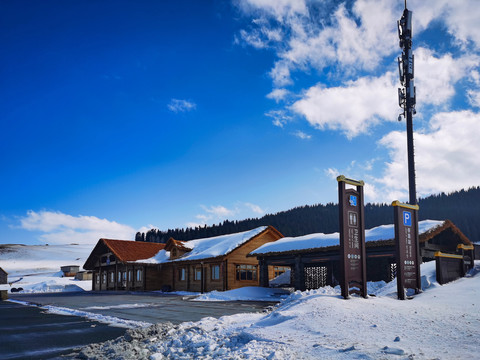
x=461, y=207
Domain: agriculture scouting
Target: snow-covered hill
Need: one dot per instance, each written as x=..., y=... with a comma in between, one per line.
x=36, y=268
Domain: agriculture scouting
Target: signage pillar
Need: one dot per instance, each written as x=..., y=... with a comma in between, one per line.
x=407, y=248
x=352, y=238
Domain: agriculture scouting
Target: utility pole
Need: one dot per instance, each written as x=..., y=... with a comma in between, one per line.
x=406, y=94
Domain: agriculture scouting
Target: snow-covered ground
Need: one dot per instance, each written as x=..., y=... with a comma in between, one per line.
x=443, y=322
x=36, y=268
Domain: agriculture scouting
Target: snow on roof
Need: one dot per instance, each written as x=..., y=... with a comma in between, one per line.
x=320, y=240
x=209, y=247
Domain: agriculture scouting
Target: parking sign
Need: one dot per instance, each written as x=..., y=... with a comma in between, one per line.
x=407, y=218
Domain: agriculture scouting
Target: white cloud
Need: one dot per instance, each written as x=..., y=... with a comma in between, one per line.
x=446, y=156
x=279, y=9
x=177, y=105
x=280, y=117
x=437, y=76
x=219, y=211
x=352, y=108
x=59, y=228
x=301, y=135
x=278, y=94
x=460, y=17
x=353, y=39
x=255, y=208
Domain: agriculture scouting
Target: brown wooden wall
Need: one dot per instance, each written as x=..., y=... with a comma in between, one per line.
x=239, y=257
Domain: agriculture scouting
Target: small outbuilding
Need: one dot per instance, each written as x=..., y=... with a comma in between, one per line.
x=84, y=275
x=3, y=276
x=70, y=270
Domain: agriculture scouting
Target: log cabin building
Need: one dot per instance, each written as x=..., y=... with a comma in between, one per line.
x=201, y=265
x=314, y=259
x=114, y=265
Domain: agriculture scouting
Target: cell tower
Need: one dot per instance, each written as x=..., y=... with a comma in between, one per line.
x=406, y=94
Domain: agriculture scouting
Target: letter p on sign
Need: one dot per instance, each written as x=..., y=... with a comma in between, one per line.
x=407, y=218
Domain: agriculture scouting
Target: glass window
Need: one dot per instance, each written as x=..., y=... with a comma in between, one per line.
x=129, y=275
x=198, y=273
x=139, y=275
x=182, y=274
x=124, y=275
x=119, y=276
x=112, y=277
x=104, y=277
x=246, y=272
x=215, y=272
x=97, y=278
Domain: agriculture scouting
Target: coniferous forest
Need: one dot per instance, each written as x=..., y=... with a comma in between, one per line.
x=461, y=207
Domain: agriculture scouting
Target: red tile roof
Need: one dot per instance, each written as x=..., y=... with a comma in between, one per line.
x=127, y=250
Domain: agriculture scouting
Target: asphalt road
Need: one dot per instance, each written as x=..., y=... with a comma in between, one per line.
x=147, y=307
x=29, y=332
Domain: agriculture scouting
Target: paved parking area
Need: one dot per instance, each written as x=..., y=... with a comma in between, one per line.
x=147, y=307
x=28, y=332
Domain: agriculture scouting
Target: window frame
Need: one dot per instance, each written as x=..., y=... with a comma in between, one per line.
x=248, y=271
x=215, y=272
x=182, y=274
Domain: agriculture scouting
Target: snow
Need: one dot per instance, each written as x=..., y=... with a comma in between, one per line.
x=111, y=320
x=161, y=257
x=443, y=322
x=208, y=247
x=248, y=293
x=319, y=240
x=36, y=268
x=20, y=260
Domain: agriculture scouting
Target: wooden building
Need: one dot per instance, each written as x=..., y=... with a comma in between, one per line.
x=314, y=259
x=3, y=276
x=200, y=265
x=215, y=263
x=70, y=270
x=114, y=265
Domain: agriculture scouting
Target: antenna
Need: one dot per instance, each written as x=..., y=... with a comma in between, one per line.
x=407, y=93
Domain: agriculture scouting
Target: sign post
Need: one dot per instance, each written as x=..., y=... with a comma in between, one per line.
x=352, y=238
x=407, y=248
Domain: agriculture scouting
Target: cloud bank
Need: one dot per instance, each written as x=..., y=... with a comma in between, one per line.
x=59, y=228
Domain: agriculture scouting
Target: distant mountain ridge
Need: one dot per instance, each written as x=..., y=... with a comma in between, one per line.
x=462, y=207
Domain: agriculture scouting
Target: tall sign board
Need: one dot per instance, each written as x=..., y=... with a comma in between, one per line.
x=407, y=248
x=352, y=237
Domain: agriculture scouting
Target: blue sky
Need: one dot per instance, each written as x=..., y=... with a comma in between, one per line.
x=119, y=116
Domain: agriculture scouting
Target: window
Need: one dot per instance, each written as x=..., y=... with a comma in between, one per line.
x=119, y=276
x=198, y=273
x=97, y=278
x=279, y=270
x=139, y=275
x=246, y=272
x=129, y=275
x=104, y=277
x=215, y=272
x=103, y=260
x=124, y=275
x=174, y=252
x=112, y=277
x=182, y=274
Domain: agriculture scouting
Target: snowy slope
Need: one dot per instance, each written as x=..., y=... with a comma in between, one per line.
x=36, y=268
